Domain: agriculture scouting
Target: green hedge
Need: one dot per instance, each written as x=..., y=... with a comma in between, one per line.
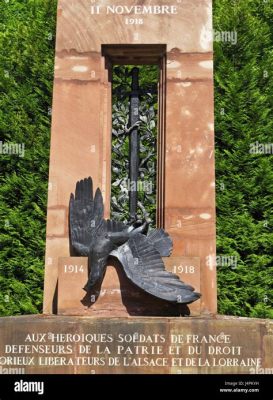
x=243, y=111
x=244, y=115
x=27, y=41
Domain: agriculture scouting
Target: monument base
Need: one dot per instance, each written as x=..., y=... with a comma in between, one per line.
x=42, y=344
x=117, y=296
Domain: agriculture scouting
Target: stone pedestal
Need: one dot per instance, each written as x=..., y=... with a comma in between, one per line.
x=85, y=345
x=117, y=296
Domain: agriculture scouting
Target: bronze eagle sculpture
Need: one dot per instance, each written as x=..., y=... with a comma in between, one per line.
x=138, y=249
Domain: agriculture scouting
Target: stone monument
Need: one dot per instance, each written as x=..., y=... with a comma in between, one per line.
x=123, y=329
x=177, y=39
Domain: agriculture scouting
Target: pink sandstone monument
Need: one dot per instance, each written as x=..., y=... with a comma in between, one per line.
x=126, y=330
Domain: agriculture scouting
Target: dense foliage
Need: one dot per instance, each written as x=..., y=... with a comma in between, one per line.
x=27, y=30
x=147, y=131
x=244, y=116
x=243, y=111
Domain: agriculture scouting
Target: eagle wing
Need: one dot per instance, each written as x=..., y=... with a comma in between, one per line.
x=143, y=265
x=86, y=220
x=85, y=216
x=162, y=241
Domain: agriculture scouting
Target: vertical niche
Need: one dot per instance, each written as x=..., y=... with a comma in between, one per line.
x=137, y=76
